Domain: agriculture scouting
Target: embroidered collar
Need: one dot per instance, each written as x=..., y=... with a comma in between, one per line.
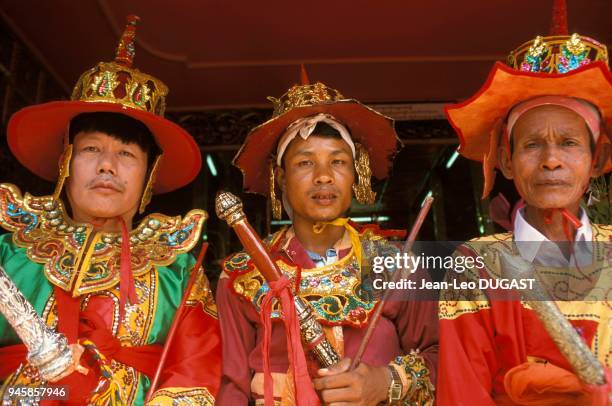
x=80, y=260
x=336, y=292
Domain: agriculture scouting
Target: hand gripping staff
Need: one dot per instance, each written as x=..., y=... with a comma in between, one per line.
x=305, y=325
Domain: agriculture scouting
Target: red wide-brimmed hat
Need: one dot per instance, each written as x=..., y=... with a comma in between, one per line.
x=558, y=65
x=368, y=127
x=36, y=134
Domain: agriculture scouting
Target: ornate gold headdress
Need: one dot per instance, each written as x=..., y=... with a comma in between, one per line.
x=303, y=95
x=118, y=82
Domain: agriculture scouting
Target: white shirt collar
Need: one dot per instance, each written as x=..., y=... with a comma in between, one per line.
x=525, y=232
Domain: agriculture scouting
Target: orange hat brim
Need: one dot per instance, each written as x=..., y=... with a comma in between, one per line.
x=36, y=137
x=474, y=118
x=368, y=127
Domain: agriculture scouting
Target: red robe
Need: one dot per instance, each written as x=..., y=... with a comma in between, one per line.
x=404, y=326
x=481, y=340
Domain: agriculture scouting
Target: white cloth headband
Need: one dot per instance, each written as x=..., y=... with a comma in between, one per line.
x=304, y=128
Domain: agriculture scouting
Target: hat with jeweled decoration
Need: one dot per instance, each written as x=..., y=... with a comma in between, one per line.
x=108, y=87
x=373, y=130
x=564, y=65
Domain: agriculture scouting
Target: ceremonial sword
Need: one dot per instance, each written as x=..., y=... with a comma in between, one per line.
x=565, y=337
x=48, y=351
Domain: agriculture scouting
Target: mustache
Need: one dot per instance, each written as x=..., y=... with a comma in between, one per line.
x=324, y=189
x=105, y=180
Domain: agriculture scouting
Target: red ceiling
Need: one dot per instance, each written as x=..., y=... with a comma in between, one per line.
x=234, y=53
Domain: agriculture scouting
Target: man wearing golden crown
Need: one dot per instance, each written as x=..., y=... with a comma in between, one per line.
x=317, y=150
x=541, y=120
x=111, y=288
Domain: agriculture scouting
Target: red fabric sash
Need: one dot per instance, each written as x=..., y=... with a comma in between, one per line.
x=90, y=325
x=304, y=390
x=142, y=358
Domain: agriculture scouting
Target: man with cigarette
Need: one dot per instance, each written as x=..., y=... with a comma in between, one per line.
x=542, y=122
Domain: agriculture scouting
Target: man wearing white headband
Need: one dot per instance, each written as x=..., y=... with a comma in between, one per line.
x=541, y=122
x=317, y=151
x=303, y=128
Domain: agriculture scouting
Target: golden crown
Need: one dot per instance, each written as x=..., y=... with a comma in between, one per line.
x=557, y=54
x=117, y=82
x=304, y=96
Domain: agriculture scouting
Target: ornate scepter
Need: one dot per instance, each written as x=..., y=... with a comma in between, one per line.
x=48, y=351
x=229, y=209
x=569, y=343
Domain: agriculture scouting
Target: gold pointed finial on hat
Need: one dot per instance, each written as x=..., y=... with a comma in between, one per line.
x=126, y=48
x=304, y=94
x=304, y=80
x=558, y=23
x=118, y=82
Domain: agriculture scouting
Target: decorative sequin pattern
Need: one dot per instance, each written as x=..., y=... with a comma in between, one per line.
x=421, y=390
x=182, y=397
x=336, y=292
x=557, y=54
x=77, y=259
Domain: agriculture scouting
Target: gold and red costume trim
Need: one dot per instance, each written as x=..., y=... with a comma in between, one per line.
x=51, y=249
x=335, y=291
x=40, y=225
x=417, y=387
x=182, y=397
x=481, y=340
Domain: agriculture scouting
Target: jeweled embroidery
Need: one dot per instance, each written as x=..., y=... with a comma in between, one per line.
x=200, y=294
x=336, y=292
x=557, y=54
x=59, y=245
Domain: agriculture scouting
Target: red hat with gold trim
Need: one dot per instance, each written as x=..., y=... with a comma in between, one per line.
x=374, y=134
x=569, y=66
x=108, y=87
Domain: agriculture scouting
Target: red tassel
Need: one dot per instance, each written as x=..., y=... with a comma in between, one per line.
x=304, y=390
x=126, y=279
x=177, y=318
x=571, y=223
x=558, y=24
